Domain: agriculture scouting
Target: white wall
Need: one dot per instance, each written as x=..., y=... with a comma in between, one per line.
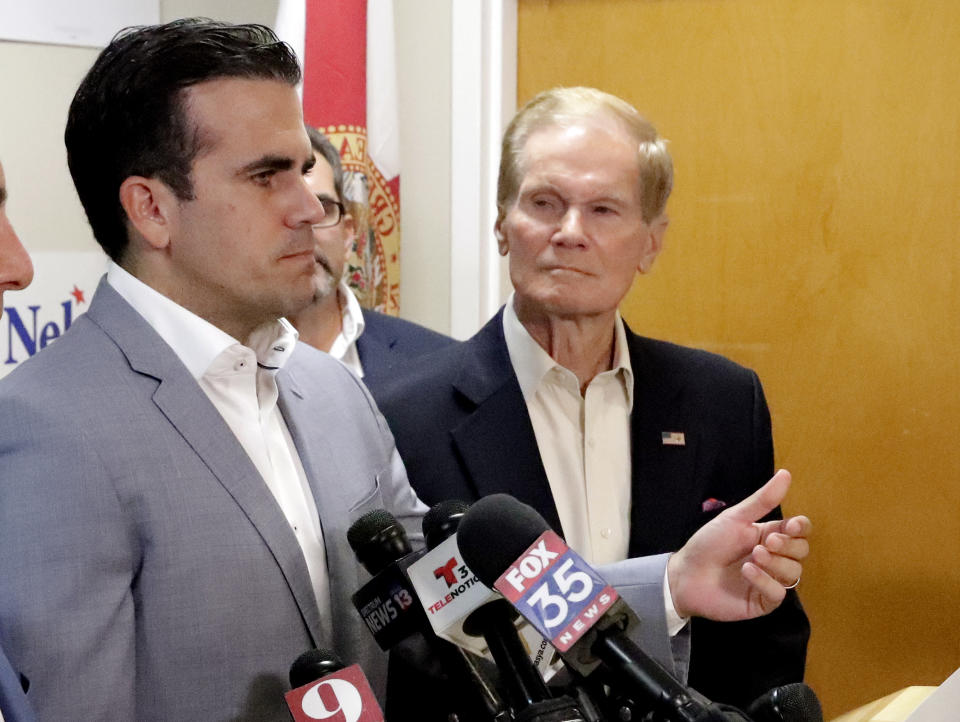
x=423, y=91
x=38, y=83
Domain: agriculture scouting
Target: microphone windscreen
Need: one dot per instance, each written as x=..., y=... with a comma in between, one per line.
x=441, y=522
x=794, y=702
x=312, y=665
x=378, y=539
x=495, y=532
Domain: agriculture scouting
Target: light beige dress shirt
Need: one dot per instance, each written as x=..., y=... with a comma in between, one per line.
x=584, y=443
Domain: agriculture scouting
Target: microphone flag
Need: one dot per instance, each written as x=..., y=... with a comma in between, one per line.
x=555, y=590
x=342, y=696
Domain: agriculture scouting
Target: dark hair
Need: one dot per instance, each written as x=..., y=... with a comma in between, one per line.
x=129, y=117
x=322, y=145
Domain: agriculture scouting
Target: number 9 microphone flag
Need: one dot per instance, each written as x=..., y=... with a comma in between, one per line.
x=346, y=48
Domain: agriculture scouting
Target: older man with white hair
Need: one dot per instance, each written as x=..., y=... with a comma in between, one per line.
x=626, y=444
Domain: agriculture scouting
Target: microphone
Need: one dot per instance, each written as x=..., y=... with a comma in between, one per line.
x=794, y=702
x=446, y=587
x=449, y=591
x=386, y=602
x=323, y=688
x=462, y=610
x=570, y=604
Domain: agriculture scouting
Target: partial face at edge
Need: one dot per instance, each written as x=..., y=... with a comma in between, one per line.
x=16, y=269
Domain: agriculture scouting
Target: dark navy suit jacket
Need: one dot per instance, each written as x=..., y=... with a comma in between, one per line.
x=388, y=343
x=13, y=701
x=463, y=431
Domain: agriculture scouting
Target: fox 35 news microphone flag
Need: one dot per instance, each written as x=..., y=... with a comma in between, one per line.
x=349, y=93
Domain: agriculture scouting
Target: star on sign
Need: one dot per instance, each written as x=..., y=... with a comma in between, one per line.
x=77, y=294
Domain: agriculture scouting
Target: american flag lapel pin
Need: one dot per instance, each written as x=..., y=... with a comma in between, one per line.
x=673, y=438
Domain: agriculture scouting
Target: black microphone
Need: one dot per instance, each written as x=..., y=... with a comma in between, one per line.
x=794, y=702
x=511, y=548
x=494, y=621
x=387, y=602
x=389, y=606
x=312, y=665
x=523, y=687
x=442, y=520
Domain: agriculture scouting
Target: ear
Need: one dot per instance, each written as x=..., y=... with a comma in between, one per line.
x=503, y=247
x=349, y=232
x=149, y=205
x=653, y=240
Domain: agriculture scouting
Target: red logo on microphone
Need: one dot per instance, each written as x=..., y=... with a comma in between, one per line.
x=343, y=696
x=447, y=572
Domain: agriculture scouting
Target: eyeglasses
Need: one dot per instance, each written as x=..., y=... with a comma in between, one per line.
x=332, y=213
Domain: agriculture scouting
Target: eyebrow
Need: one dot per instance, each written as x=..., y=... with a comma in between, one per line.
x=276, y=163
x=3, y=195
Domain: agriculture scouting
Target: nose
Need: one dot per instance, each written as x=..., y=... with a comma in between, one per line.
x=571, y=231
x=308, y=210
x=16, y=269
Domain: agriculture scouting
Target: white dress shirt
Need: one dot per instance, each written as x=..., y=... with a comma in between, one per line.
x=240, y=381
x=584, y=443
x=344, y=347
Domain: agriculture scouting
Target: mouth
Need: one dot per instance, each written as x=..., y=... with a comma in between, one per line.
x=565, y=269
x=302, y=255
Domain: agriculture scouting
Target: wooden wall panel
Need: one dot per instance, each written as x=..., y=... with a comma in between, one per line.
x=814, y=238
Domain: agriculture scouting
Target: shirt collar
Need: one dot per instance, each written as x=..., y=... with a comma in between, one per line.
x=195, y=341
x=531, y=363
x=351, y=319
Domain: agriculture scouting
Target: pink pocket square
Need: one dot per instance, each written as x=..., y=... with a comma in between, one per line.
x=712, y=504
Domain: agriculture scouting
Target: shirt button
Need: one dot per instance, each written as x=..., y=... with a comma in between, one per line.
x=606, y=532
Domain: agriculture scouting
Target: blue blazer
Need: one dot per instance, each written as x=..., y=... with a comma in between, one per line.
x=388, y=343
x=463, y=431
x=13, y=701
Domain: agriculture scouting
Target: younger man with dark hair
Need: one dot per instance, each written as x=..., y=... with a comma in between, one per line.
x=178, y=474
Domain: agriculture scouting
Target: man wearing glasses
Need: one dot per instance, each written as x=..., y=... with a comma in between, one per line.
x=373, y=345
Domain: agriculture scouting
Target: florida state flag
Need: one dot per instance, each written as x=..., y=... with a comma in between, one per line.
x=349, y=93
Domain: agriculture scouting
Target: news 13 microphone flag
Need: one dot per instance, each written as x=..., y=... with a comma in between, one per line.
x=347, y=49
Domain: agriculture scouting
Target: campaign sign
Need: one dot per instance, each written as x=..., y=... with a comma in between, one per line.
x=556, y=590
x=32, y=319
x=343, y=696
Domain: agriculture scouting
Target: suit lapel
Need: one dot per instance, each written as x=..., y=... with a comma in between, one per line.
x=499, y=426
x=187, y=408
x=663, y=474
x=320, y=463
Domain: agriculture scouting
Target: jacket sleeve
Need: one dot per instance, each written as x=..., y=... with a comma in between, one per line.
x=67, y=561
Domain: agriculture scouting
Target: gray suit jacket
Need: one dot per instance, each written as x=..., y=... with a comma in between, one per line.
x=13, y=702
x=148, y=572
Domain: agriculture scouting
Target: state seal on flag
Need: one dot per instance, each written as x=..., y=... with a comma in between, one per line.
x=373, y=267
